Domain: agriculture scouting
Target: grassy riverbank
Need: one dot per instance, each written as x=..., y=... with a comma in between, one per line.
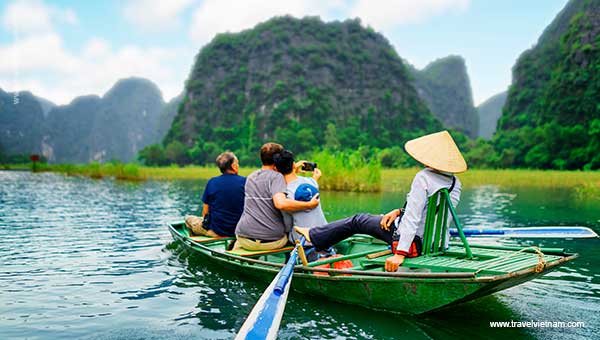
x=585, y=183
x=342, y=175
x=363, y=178
x=132, y=172
x=20, y=166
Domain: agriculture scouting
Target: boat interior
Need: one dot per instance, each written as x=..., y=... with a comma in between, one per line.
x=368, y=254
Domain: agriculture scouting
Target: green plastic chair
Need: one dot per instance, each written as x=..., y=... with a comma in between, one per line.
x=439, y=208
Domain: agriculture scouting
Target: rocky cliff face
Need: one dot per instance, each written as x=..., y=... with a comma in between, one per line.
x=68, y=131
x=45, y=104
x=167, y=114
x=297, y=81
x=131, y=115
x=551, y=118
x=445, y=86
x=115, y=126
x=21, y=123
x=489, y=113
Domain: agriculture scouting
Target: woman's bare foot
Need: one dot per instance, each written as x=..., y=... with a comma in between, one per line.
x=304, y=232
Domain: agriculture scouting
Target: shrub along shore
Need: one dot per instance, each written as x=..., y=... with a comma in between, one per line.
x=350, y=176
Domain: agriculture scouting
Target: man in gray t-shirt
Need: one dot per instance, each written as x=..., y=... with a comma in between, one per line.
x=261, y=225
x=259, y=220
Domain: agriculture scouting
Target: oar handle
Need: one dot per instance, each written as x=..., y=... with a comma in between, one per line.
x=288, y=270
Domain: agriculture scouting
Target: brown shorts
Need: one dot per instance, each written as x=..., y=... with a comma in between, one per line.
x=249, y=244
x=194, y=223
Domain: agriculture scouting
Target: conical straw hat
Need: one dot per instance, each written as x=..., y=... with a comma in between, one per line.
x=437, y=151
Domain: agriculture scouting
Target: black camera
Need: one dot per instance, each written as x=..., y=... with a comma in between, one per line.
x=309, y=166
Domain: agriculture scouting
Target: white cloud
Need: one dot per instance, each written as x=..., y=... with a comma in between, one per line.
x=38, y=60
x=34, y=16
x=41, y=52
x=217, y=16
x=60, y=75
x=26, y=16
x=387, y=14
x=155, y=15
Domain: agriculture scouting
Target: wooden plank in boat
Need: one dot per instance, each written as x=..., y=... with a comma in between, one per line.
x=245, y=252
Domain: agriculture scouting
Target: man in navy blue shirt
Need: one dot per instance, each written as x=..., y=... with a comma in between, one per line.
x=223, y=200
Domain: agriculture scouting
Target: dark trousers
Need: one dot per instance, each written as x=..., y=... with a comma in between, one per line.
x=327, y=235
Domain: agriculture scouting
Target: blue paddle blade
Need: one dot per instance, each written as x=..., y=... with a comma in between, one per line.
x=264, y=319
x=531, y=232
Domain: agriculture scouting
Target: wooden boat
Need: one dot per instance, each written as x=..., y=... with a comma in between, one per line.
x=439, y=278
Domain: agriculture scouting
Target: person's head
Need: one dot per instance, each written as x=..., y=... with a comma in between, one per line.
x=284, y=162
x=228, y=163
x=267, y=151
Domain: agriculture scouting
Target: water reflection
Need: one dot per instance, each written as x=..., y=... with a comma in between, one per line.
x=85, y=258
x=487, y=207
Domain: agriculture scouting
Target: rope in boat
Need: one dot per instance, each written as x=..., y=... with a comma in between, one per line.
x=538, y=267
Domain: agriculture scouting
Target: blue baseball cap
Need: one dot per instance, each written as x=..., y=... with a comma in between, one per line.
x=305, y=192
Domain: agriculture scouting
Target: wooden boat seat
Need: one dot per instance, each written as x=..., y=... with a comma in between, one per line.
x=203, y=239
x=248, y=253
x=489, y=261
x=200, y=238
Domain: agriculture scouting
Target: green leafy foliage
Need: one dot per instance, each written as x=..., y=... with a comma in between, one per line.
x=551, y=116
x=348, y=170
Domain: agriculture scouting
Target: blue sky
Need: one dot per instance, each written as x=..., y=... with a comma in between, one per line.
x=65, y=48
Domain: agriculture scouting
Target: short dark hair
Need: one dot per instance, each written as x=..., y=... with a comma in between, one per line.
x=284, y=161
x=225, y=161
x=267, y=151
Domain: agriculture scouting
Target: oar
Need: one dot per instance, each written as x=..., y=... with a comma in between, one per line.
x=531, y=232
x=264, y=319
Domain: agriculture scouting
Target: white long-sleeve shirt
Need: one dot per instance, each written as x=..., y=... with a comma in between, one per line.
x=426, y=183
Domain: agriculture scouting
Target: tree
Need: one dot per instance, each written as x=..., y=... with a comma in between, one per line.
x=331, y=140
x=153, y=154
x=176, y=152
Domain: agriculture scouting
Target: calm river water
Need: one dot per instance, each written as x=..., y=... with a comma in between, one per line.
x=93, y=259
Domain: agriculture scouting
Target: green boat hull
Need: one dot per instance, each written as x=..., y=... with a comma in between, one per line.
x=420, y=289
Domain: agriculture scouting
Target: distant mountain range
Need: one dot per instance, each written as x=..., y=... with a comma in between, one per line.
x=445, y=86
x=131, y=115
x=489, y=112
x=338, y=85
x=21, y=123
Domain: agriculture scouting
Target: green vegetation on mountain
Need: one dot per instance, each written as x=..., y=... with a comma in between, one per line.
x=300, y=82
x=552, y=116
x=445, y=86
x=489, y=113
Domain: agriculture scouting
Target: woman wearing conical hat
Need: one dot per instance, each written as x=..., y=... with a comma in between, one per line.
x=442, y=159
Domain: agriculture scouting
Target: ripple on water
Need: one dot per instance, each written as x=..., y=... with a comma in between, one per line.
x=93, y=259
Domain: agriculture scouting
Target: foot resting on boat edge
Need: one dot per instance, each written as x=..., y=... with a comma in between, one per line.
x=304, y=232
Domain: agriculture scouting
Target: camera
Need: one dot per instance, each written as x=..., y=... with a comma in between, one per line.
x=309, y=166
